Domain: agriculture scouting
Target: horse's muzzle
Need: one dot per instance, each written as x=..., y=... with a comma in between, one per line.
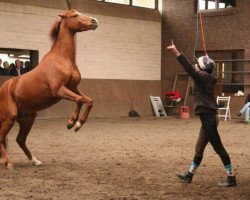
x=94, y=24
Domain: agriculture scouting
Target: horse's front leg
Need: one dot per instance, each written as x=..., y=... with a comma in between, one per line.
x=89, y=104
x=75, y=116
x=79, y=98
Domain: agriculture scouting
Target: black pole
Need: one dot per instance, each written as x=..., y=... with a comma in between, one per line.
x=156, y=5
x=69, y=4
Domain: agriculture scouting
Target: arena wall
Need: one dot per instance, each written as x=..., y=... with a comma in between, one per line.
x=118, y=61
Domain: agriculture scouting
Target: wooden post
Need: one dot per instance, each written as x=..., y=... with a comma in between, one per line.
x=187, y=91
x=220, y=79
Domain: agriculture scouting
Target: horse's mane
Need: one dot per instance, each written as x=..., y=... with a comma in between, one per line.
x=54, y=31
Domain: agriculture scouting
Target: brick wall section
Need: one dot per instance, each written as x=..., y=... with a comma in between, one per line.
x=226, y=31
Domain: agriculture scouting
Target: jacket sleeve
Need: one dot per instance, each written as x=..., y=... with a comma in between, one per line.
x=189, y=68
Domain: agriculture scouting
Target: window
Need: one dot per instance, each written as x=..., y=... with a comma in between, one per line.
x=154, y=4
x=26, y=60
x=118, y=1
x=215, y=4
x=148, y=4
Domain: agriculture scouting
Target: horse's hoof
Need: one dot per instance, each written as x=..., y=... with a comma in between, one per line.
x=10, y=167
x=69, y=126
x=35, y=162
x=76, y=129
x=78, y=125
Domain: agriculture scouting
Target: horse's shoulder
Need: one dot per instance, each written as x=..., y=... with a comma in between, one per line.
x=9, y=87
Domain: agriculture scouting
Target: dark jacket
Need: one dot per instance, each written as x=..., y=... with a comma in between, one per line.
x=203, y=89
x=13, y=71
x=4, y=72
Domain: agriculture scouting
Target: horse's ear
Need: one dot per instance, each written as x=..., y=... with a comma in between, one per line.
x=62, y=16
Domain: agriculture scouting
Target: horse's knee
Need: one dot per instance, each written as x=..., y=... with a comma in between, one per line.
x=90, y=104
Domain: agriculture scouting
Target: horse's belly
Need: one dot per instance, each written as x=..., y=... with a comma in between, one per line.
x=32, y=99
x=36, y=104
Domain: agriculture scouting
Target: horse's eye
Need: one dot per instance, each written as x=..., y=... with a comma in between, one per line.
x=75, y=16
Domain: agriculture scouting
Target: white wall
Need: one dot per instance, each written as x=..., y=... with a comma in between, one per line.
x=120, y=48
x=26, y=27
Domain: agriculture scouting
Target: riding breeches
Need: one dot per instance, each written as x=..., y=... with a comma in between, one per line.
x=209, y=133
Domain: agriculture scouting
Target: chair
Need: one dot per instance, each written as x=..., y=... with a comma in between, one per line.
x=224, y=107
x=157, y=106
x=172, y=98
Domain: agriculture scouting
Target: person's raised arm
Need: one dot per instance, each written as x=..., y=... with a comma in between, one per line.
x=173, y=49
x=185, y=63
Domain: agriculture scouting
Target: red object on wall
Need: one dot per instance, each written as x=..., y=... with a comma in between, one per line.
x=173, y=95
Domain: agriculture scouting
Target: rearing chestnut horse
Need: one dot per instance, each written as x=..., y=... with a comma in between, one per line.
x=55, y=78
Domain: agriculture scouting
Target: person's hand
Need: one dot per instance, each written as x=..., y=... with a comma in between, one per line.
x=173, y=48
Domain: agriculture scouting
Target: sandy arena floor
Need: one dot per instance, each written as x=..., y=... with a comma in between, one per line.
x=125, y=159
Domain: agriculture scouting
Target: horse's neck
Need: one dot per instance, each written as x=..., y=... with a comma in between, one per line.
x=65, y=44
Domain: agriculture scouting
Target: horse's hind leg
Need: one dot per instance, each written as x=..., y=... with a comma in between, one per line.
x=6, y=125
x=25, y=127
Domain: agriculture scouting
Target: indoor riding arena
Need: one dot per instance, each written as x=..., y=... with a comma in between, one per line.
x=124, y=99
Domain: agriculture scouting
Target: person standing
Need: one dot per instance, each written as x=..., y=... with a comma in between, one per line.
x=6, y=66
x=27, y=66
x=206, y=108
x=17, y=70
x=245, y=110
x=3, y=69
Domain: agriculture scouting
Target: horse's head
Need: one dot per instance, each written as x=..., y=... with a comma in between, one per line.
x=78, y=22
